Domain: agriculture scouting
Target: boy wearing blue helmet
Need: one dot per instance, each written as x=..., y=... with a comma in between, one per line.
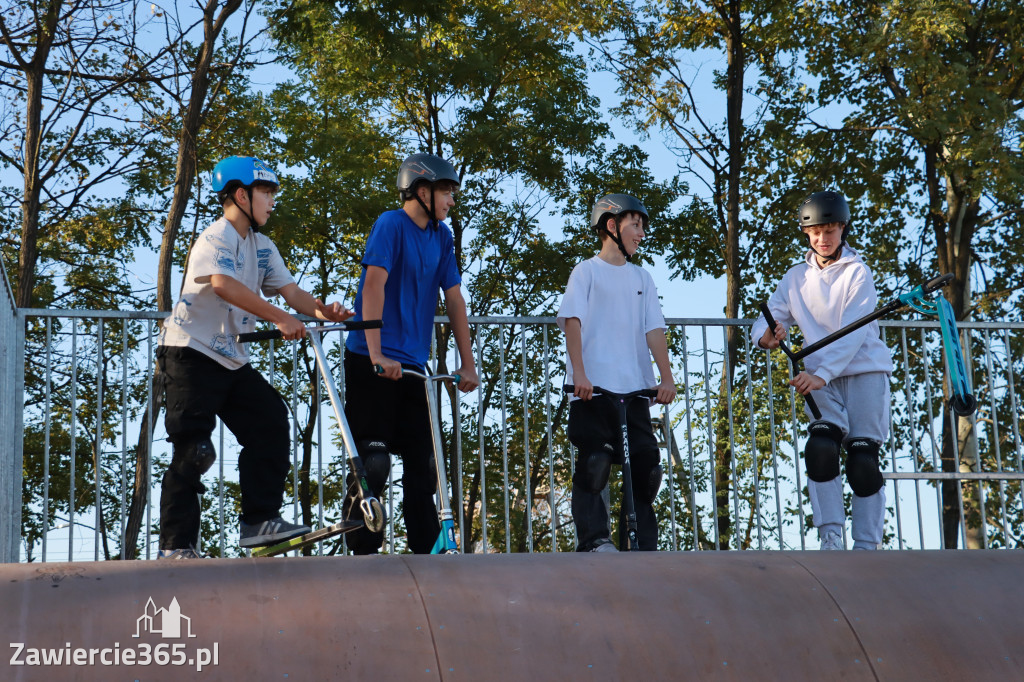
x=849, y=378
x=613, y=325
x=207, y=374
x=410, y=257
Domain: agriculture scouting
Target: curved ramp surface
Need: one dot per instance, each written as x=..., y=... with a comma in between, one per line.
x=664, y=616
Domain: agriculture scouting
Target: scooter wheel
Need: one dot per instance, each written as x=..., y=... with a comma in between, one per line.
x=373, y=515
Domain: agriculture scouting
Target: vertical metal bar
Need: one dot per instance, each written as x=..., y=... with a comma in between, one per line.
x=552, y=510
x=914, y=445
x=990, y=377
x=480, y=432
x=936, y=448
x=318, y=401
x=46, y=436
x=775, y=458
x=666, y=433
x=794, y=420
x=754, y=455
x=527, y=483
x=727, y=370
x=504, y=434
x=149, y=434
x=74, y=437
x=1014, y=406
x=98, y=468
x=892, y=457
x=124, y=434
x=689, y=443
x=711, y=435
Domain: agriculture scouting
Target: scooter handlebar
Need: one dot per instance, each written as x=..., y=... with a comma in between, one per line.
x=270, y=334
x=642, y=393
x=937, y=283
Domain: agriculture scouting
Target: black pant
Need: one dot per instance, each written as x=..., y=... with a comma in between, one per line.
x=394, y=412
x=593, y=425
x=198, y=390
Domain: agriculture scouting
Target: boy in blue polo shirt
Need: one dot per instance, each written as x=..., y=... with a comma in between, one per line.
x=410, y=256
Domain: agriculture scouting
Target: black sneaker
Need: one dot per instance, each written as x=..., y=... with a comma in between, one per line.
x=268, y=532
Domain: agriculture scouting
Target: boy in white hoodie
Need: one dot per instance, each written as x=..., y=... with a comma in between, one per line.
x=849, y=378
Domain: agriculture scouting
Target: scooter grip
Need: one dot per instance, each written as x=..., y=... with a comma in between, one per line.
x=363, y=324
x=938, y=283
x=768, y=317
x=265, y=335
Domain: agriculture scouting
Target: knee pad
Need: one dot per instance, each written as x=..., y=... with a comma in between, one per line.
x=862, y=467
x=593, y=471
x=376, y=464
x=821, y=452
x=648, y=490
x=193, y=458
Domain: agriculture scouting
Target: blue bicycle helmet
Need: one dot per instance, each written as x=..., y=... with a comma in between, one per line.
x=245, y=170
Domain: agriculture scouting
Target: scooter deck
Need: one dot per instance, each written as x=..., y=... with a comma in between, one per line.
x=301, y=541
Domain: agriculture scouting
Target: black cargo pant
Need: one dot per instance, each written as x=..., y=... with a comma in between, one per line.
x=593, y=428
x=198, y=390
x=395, y=413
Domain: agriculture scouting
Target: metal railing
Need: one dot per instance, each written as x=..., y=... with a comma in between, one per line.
x=733, y=475
x=11, y=363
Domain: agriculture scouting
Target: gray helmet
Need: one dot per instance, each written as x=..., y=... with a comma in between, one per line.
x=612, y=206
x=422, y=167
x=824, y=207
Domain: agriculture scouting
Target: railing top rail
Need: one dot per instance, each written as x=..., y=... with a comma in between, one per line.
x=527, y=319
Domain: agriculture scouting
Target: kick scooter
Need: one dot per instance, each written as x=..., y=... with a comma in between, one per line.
x=447, y=542
x=373, y=512
x=621, y=401
x=962, y=401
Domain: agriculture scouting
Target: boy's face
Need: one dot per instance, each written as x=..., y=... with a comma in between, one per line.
x=444, y=198
x=825, y=239
x=631, y=231
x=262, y=203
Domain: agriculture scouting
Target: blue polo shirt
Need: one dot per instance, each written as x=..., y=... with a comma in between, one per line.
x=420, y=262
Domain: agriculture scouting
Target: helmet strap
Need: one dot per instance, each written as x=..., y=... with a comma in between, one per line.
x=617, y=238
x=252, y=223
x=431, y=216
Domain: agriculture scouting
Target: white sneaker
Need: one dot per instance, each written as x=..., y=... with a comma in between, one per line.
x=831, y=541
x=606, y=546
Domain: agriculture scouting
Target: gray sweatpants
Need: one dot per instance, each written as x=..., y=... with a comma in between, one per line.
x=859, y=405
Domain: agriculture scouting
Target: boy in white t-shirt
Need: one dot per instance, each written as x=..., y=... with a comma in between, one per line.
x=849, y=378
x=206, y=372
x=613, y=324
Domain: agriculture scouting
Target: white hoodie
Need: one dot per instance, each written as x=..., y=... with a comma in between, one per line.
x=823, y=300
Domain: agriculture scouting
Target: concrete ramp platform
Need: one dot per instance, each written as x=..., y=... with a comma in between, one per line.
x=664, y=616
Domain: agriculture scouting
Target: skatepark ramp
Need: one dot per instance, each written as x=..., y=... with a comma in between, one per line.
x=668, y=616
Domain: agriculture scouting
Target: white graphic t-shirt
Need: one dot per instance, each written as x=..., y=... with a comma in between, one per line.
x=203, y=320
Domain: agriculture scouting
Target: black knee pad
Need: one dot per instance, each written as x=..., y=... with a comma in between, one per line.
x=862, y=467
x=593, y=471
x=648, y=490
x=193, y=458
x=821, y=452
x=376, y=464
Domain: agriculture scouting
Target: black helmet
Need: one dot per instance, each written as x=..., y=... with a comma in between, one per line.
x=824, y=207
x=424, y=168
x=612, y=206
